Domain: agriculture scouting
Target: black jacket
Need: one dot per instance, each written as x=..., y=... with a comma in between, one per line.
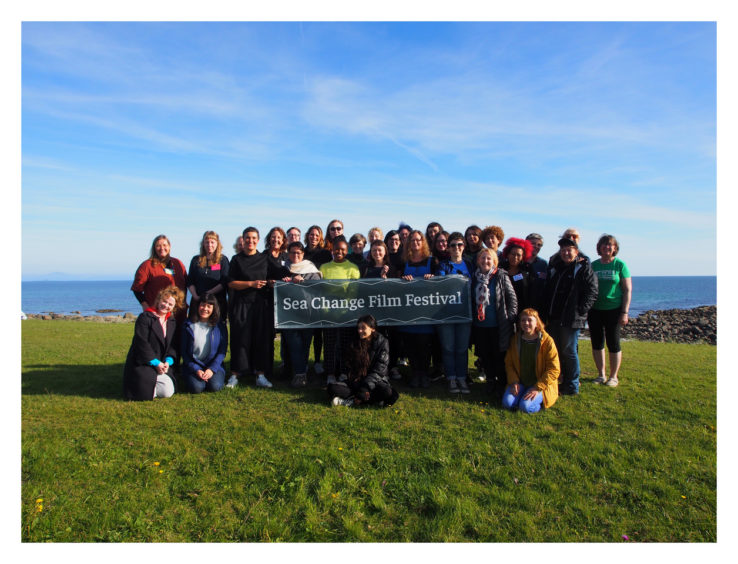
x=139, y=377
x=578, y=300
x=376, y=374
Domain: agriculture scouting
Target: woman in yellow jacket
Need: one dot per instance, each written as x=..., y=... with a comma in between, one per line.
x=532, y=366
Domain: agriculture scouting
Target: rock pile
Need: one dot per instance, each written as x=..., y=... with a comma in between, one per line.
x=698, y=325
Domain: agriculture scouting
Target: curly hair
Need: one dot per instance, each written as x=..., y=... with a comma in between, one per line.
x=268, y=244
x=424, y=250
x=495, y=230
x=171, y=292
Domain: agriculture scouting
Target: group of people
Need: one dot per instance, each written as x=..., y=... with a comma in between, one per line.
x=526, y=319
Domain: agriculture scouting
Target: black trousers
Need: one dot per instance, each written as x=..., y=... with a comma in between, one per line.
x=379, y=394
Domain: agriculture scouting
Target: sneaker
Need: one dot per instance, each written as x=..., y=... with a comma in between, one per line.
x=463, y=387
x=232, y=381
x=262, y=381
x=299, y=381
x=402, y=362
x=600, y=380
x=395, y=373
x=349, y=402
x=612, y=382
x=482, y=377
x=318, y=367
x=331, y=379
x=453, y=387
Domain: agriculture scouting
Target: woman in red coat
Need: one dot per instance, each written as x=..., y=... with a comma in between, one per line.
x=156, y=273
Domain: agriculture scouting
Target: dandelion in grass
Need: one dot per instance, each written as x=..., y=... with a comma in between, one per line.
x=40, y=500
x=156, y=464
x=161, y=471
x=39, y=507
x=340, y=448
x=684, y=497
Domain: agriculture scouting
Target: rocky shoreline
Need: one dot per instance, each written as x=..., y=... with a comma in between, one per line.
x=698, y=325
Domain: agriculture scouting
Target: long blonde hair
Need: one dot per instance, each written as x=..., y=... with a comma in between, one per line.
x=203, y=253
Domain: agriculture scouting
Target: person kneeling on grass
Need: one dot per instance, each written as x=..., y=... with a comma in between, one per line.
x=149, y=369
x=532, y=366
x=204, y=345
x=367, y=363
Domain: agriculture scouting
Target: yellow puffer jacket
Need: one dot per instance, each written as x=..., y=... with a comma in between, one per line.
x=547, y=367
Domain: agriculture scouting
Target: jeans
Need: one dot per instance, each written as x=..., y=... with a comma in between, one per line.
x=567, y=343
x=511, y=401
x=455, y=348
x=197, y=386
x=298, y=347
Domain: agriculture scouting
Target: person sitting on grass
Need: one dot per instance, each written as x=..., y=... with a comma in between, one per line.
x=149, y=368
x=532, y=366
x=367, y=362
x=204, y=345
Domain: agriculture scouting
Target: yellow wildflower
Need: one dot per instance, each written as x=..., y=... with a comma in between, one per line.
x=156, y=464
x=40, y=500
x=39, y=507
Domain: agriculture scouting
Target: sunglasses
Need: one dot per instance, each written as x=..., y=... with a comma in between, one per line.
x=334, y=228
x=456, y=245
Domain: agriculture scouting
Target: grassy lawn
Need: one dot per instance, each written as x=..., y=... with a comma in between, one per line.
x=282, y=465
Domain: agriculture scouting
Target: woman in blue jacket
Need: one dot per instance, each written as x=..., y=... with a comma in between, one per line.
x=204, y=345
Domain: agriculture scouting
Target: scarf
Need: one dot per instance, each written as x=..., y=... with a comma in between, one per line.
x=482, y=292
x=303, y=267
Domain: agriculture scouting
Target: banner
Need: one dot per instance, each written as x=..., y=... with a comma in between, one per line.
x=392, y=301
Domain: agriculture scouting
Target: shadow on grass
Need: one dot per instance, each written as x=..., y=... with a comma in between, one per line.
x=89, y=381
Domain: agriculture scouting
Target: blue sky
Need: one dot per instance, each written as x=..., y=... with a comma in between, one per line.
x=134, y=129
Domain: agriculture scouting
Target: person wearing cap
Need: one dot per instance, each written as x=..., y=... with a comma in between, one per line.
x=537, y=268
x=573, y=234
x=570, y=292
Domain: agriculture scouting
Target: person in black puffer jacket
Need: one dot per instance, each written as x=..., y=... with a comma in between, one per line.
x=368, y=361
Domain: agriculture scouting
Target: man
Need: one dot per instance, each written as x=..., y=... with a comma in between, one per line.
x=537, y=268
x=570, y=292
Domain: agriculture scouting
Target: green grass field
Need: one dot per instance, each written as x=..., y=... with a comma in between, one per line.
x=282, y=465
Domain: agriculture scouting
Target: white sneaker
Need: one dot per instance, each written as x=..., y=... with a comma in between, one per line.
x=331, y=379
x=344, y=402
x=402, y=362
x=262, y=381
x=482, y=377
x=612, y=382
x=600, y=380
x=318, y=367
x=232, y=381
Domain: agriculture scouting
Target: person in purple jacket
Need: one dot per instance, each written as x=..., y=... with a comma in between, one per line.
x=204, y=345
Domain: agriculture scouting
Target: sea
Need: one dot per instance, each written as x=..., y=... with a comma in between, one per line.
x=89, y=297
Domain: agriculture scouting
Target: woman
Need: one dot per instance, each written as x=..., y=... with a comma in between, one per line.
x=515, y=257
x=159, y=271
x=276, y=245
x=532, y=366
x=496, y=308
x=297, y=341
x=207, y=271
x=204, y=345
x=394, y=247
x=238, y=245
x=454, y=337
x=336, y=340
x=440, y=246
x=378, y=266
x=473, y=240
x=357, y=244
x=293, y=235
x=492, y=237
x=431, y=230
x=251, y=276
x=316, y=252
x=375, y=233
x=367, y=382
x=315, y=249
x=418, y=338
x=334, y=229
x=610, y=310
x=149, y=368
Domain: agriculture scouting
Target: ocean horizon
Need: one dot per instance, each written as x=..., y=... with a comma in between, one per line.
x=87, y=297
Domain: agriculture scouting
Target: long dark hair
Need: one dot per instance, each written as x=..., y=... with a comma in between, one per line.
x=359, y=352
x=214, y=317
